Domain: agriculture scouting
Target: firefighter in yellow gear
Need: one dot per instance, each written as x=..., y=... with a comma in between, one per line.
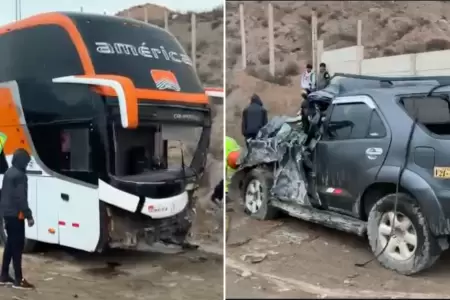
x=231, y=148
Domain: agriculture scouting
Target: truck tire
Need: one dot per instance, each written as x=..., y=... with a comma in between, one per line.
x=256, y=194
x=412, y=248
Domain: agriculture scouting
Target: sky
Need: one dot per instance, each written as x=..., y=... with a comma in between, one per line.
x=32, y=7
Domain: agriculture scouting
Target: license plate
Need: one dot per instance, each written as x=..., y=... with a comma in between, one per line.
x=442, y=172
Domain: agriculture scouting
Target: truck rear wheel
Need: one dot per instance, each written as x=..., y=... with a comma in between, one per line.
x=401, y=240
x=256, y=194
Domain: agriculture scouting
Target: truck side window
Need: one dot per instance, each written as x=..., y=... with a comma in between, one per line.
x=349, y=121
x=376, y=128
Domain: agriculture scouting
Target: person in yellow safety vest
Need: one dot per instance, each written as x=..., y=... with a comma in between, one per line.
x=231, y=147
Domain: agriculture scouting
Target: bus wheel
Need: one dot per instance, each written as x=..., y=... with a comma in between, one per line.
x=30, y=246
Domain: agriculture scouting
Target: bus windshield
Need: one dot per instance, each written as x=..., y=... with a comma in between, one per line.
x=154, y=147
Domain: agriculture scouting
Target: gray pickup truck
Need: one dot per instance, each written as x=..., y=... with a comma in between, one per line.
x=378, y=165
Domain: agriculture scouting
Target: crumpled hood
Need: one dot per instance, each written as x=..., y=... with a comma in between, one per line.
x=21, y=159
x=321, y=96
x=280, y=142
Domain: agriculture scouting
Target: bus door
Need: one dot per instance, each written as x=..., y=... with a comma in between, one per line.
x=64, y=138
x=68, y=202
x=46, y=210
x=74, y=189
x=62, y=193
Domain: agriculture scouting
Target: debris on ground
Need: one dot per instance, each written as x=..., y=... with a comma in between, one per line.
x=198, y=259
x=246, y=274
x=254, y=258
x=348, y=282
x=121, y=275
x=239, y=243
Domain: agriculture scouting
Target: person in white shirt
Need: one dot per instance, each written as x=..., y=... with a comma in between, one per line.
x=308, y=79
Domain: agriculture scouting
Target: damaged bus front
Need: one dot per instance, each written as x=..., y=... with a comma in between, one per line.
x=118, y=137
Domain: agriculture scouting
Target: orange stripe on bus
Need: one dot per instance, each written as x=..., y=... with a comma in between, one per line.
x=67, y=24
x=10, y=124
x=130, y=95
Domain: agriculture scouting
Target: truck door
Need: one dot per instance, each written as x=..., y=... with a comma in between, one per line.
x=351, y=152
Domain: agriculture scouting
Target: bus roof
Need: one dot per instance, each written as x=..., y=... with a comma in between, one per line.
x=150, y=56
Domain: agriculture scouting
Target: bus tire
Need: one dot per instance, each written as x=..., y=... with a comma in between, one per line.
x=30, y=246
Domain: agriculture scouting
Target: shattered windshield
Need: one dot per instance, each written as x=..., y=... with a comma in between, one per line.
x=154, y=147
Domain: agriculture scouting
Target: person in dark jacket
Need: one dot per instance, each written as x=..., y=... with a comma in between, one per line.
x=254, y=117
x=15, y=210
x=323, y=78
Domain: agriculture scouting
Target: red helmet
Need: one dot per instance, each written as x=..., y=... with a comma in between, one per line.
x=232, y=159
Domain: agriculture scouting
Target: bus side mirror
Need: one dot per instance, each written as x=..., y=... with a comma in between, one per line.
x=111, y=85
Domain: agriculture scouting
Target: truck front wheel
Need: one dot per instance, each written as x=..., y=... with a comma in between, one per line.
x=256, y=194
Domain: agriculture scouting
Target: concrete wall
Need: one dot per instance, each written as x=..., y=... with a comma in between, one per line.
x=344, y=60
x=350, y=60
x=433, y=63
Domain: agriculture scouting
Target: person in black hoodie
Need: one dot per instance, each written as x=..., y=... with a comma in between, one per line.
x=254, y=117
x=15, y=210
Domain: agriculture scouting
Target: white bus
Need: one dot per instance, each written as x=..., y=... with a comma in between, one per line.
x=96, y=100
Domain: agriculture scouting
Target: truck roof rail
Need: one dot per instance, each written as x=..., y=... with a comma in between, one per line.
x=440, y=79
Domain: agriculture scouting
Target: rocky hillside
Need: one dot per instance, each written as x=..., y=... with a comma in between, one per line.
x=389, y=28
x=209, y=36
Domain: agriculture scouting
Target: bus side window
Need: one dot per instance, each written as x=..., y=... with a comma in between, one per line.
x=75, y=150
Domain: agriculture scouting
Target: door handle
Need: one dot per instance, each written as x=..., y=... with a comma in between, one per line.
x=65, y=197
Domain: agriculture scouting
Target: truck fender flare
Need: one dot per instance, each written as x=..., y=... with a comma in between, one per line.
x=424, y=195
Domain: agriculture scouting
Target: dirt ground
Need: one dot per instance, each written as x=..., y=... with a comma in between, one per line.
x=290, y=258
x=62, y=274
